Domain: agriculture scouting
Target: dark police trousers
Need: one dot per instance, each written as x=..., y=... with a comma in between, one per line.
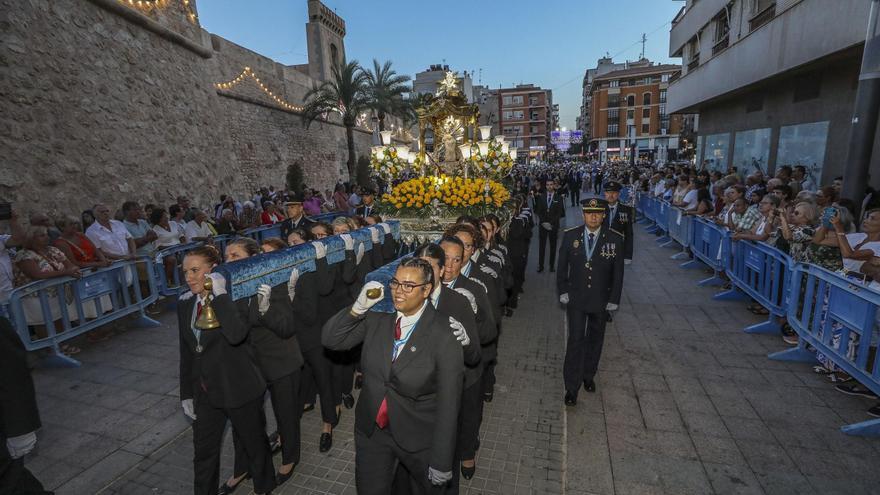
x=375, y=466
x=317, y=377
x=248, y=423
x=586, y=333
x=543, y=236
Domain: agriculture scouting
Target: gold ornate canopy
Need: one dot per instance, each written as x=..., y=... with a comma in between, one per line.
x=453, y=121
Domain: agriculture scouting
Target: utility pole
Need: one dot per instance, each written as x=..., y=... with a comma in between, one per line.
x=865, y=113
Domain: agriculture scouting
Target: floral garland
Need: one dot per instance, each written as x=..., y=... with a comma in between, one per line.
x=455, y=194
x=495, y=165
x=389, y=165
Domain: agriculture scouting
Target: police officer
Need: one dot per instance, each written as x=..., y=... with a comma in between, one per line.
x=589, y=283
x=620, y=217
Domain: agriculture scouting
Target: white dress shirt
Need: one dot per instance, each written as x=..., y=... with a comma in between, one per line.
x=113, y=241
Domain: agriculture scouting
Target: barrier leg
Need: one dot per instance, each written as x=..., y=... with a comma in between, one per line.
x=732, y=294
x=715, y=279
x=797, y=355
x=144, y=321
x=771, y=326
x=870, y=428
x=681, y=255
x=664, y=240
x=58, y=359
x=651, y=229
x=692, y=264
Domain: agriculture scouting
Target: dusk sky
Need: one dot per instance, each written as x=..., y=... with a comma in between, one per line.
x=548, y=43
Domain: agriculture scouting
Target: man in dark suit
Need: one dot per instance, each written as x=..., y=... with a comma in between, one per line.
x=597, y=182
x=550, y=210
x=296, y=219
x=19, y=416
x=589, y=283
x=620, y=217
x=413, y=370
x=574, y=187
x=367, y=208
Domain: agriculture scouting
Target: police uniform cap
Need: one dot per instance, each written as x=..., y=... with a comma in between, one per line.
x=594, y=205
x=613, y=186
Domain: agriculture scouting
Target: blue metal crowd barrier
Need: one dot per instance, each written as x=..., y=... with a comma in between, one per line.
x=710, y=244
x=662, y=221
x=66, y=307
x=762, y=273
x=652, y=207
x=679, y=231
x=839, y=319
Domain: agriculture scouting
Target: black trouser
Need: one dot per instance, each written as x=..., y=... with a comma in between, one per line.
x=15, y=478
x=342, y=372
x=543, y=236
x=490, y=359
x=319, y=374
x=575, y=195
x=519, y=278
x=470, y=416
x=248, y=422
x=376, y=458
x=288, y=410
x=597, y=186
x=586, y=333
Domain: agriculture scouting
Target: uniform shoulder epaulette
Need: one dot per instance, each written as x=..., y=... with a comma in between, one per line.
x=573, y=228
x=480, y=282
x=617, y=232
x=470, y=297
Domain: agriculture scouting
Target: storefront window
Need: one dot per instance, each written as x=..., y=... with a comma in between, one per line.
x=751, y=151
x=803, y=144
x=717, y=150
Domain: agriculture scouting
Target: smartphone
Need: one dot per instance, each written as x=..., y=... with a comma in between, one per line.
x=827, y=215
x=5, y=211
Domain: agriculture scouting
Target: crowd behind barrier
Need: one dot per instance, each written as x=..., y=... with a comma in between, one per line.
x=832, y=314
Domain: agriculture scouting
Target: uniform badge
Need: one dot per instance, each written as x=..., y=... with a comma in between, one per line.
x=609, y=250
x=623, y=217
x=199, y=349
x=577, y=243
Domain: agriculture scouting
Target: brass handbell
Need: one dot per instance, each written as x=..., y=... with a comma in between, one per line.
x=208, y=319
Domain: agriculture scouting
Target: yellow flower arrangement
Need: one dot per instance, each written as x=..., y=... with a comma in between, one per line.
x=476, y=196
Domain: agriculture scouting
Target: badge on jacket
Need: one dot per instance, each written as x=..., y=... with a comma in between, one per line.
x=609, y=250
x=623, y=217
x=577, y=243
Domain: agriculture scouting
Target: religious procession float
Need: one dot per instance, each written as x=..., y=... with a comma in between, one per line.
x=456, y=168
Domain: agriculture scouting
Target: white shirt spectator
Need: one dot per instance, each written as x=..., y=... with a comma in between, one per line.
x=6, y=285
x=194, y=230
x=179, y=228
x=690, y=200
x=354, y=200
x=659, y=188
x=167, y=237
x=113, y=240
x=854, y=241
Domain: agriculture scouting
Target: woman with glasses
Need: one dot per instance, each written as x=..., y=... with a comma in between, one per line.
x=413, y=366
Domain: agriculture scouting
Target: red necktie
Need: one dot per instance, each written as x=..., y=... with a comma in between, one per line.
x=198, y=309
x=382, y=415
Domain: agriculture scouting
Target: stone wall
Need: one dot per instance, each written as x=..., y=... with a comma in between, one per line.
x=96, y=107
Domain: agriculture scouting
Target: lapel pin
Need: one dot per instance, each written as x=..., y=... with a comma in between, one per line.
x=412, y=349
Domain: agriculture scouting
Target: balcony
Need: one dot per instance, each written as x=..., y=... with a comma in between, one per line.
x=797, y=36
x=688, y=23
x=721, y=45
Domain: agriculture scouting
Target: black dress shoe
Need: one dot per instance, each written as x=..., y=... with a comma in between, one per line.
x=468, y=472
x=308, y=407
x=347, y=401
x=226, y=489
x=487, y=397
x=326, y=442
x=508, y=312
x=359, y=382
x=281, y=478
x=609, y=316
x=275, y=442
x=590, y=386
x=570, y=399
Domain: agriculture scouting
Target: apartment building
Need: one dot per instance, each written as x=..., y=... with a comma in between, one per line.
x=526, y=117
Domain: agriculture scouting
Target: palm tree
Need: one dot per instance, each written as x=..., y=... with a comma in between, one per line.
x=386, y=88
x=345, y=93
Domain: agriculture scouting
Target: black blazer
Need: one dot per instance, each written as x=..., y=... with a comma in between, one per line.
x=18, y=402
x=590, y=284
x=551, y=213
x=519, y=235
x=487, y=331
x=362, y=210
x=458, y=306
x=623, y=223
x=496, y=275
x=334, y=287
x=273, y=335
x=423, y=386
x=224, y=370
x=490, y=285
x=287, y=226
x=305, y=308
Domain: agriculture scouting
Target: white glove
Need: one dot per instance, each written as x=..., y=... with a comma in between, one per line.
x=364, y=303
x=21, y=445
x=218, y=284
x=374, y=234
x=611, y=307
x=385, y=227
x=437, y=478
x=347, y=239
x=563, y=298
x=264, y=293
x=320, y=249
x=359, y=253
x=627, y=262
x=546, y=226
x=459, y=331
x=188, y=408
x=291, y=284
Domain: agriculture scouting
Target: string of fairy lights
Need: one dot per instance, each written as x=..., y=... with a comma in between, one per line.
x=148, y=5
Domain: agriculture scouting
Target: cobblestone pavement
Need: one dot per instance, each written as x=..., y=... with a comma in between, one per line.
x=686, y=403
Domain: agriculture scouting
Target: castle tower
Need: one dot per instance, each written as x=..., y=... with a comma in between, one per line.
x=324, y=32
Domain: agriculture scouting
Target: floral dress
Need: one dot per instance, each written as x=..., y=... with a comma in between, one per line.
x=53, y=260
x=798, y=246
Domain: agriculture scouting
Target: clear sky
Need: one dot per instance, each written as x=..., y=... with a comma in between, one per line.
x=549, y=43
